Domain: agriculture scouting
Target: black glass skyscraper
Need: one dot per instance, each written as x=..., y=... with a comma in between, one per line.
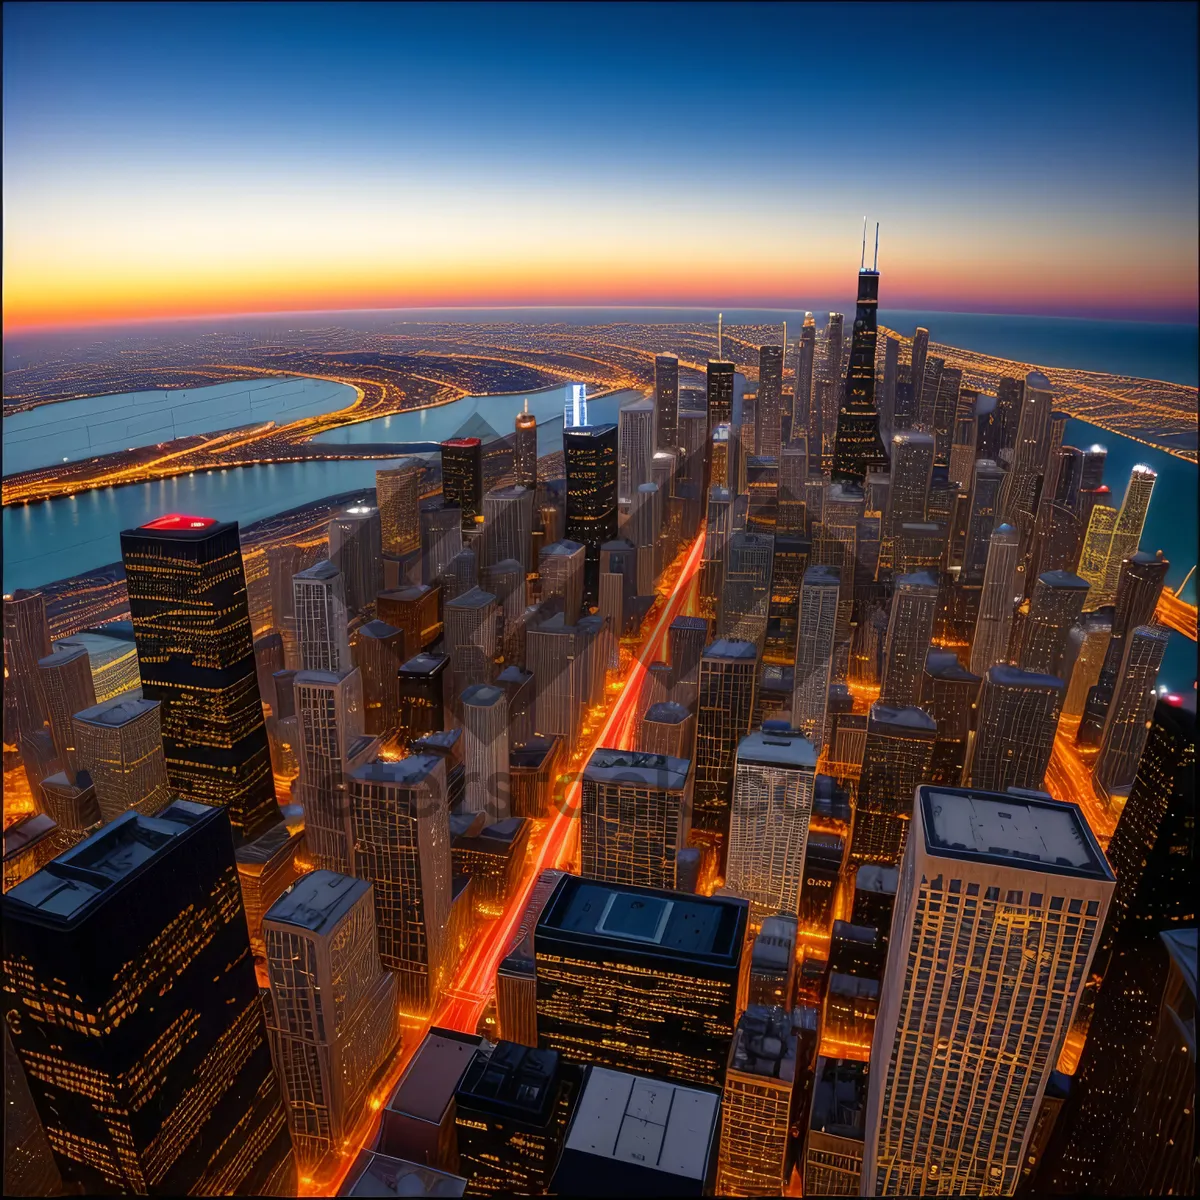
x=590, y=459
x=133, y=1004
x=191, y=624
x=858, y=448
x=462, y=477
x=666, y=398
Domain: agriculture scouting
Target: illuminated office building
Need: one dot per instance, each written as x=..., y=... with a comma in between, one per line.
x=963, y=449
x=402, y=845
x=833, y=1144
x=575, y=414
x=920, y=546
x=113, y=660
x=637, y=977
x=30, y=842
x=525, y=454
x=331, y=1012
x=951, y=1111
x=119, y=744
x=512, y=1107
x=686, y=639
x=943, y=413
x=266, y=868
x=1018, y=494
x=470, y=640
x=187, y=595
x=720, y=390
x=912, y=470
x=485, y=750
x=379, y=654
x=508, y=525
x=726, y=700
x=26, y=640
x=793, y=476
x=997, y=601
x=462, y=478
x=1151, y=854
x=554, y=653
x=355, y=548
x=927, y=389
x=666, y=399
x=767, y=410
x=516, y=976
x=634, y=817
x=948, y=694
x=1087, y=647
x=645, y=530
x=1127, y=718
x=757, y=1103
x=329, y=711
x=746, y=587
x=666, y=728
x=415, y=610
x=157, y=1079
x=398, y=492
x=441, y=539
x=1127, y=530
x=533, y=767
x=1040, y=639
x=561, y=567
x=422, y=683
x=636, y=443
x=819, y=596
x=858, y=448
x=832, y=380
x=1015, y=726
x=1138, y=591
x=633, y=1136
x=590, y=458
x=898, y=755
x=65, y=681
x=29, y=1166
x=321, y=618
x=72, y=803
x=806, y=417
x=774, y=775
x=981, y=520
x=461, y=575
x=492, y=855
x=788, y=564
x=1097, y=543
x=909, y=635
x=887, y=401
x=717, y=531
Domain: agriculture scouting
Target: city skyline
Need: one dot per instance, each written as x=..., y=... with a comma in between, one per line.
x=210, y=181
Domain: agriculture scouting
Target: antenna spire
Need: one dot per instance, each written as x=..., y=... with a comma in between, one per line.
x=876, y=266
x=720, y=337
x=526, y=403
x=862, y=265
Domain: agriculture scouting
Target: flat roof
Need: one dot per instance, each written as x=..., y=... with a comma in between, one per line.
x=905, y=717
x=483, y=695
x=839, y=1104
x=25, y=831
x=871, y=878
x=821, y=576
x=923, y=579
x=689, y=623
x=510, y=1080
x=180, y=522
x=462, y=443
x=674, y=924
x=318, y=571
x=1008, y=676
x=374, y=1174
x=764, y=1043
x=431, y=1078
x=1063, y=579
x=378, y=629
x=564, y=546
x=520, y=948
x=117, y=712
x=404, y=772
x=502, y=835
x=475, y=598
x=424, y=664
x=60, y=655
x=666, y=712
x=1047, y=835
x=264, y=847
x=646, y=1122
x=730, y=648
x=637, y=767
x=944, y=664
x=68, y=885
x=853, y=985
x=775, y=947
x=317, y=901
x=774, y=748
x=533, y=754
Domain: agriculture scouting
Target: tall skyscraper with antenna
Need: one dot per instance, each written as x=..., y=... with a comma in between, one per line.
x=857, y=447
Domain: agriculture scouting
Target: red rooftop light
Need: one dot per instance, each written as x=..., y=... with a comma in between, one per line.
x=1173, y=698
x=462, y=442
x=179, y=521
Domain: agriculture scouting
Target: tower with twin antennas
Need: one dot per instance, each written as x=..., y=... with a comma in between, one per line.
x=857, y=447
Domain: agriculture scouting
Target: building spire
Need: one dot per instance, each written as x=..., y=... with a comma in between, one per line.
x=862, y=266
x=875, y=265
x=720, y=337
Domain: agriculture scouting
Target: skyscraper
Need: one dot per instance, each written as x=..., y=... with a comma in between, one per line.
x=379, y=655
x=1018, y=494
x=319, y=605
x=962, y=1050
x=554, y=653
x=462, y=478
x=397, y=490
x=1087, y=645
x=666, y=728
x=441, y=540
x=634, y=815
x=636, y=444
x=909, y=636
x=858, y=447
x=767, y=408
x=887, y=402
x=803, y=415
x=1018, y=716
x=187, y=596
x=1127, y=531
x=686, y=638
x=562, y=567
x=575, y=415
x=945, y=410
x=726, y=700
x=773, y=783
x=666, y=399
x=65, y=679
x=630, y=976
x=1128, y=716
x=819, y=596
x=119, y=744
x=920, y=352
x=470, y=640
x=897, y=758
x=508, y=525
x=176, y=1096
x=525, y=454
x=833, y=383
x=485, y=750
x=26, y=640
x=746, y=588
x=590, y=455
x=422, y=696
x=331, y=1008
x=912, y=470
x=1097, y=542
x=402, y=845
x=1040, y=640
x=949, y=693
x=997, y=601
x=355, y=548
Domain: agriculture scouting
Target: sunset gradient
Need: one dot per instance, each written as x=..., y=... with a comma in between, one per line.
x=178, y=160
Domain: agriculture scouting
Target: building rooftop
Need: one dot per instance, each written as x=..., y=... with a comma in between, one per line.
x=61, y=655
x=689, y=623
x=375, y=1174
x=510, y=1080
x=775, y=947
x=1063, y=579
x=498, y=838
x=1038, y=380
x=917, y=579
x=440, y=742
x=65, y=888
x=1049, y=835
x=416, y=768
x=853, y=985
x=1181, y=946
x=431, y=1078
x=913, y=437
x=513, y=674
x=774, y=748
x=482, y=695
x=821, y=576
x=905, y=717
x=638, y=768
x=730, y=648
x=102, y=646
x=377, y=629
x=622, y=544
x=116, y=712
x=425, y=664
x=520, y=949
x=871, y=878
x=563, y=547
x=646, y=1122
x=764, y=1044
x=265, y=847
x=839, y=1104
x=25, y=831
x=532, y=754
x=512, y=491
x=776, y=678
x=1008, y=676
x=321, y=571
x=665, y=922
x=944, y=664
x=411, y=592
x=589, y=430
x=181, y=523
x=667, y=712
x=475, y=598
x=317, y=901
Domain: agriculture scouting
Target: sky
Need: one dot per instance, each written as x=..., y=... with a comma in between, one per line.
x=166, y=160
